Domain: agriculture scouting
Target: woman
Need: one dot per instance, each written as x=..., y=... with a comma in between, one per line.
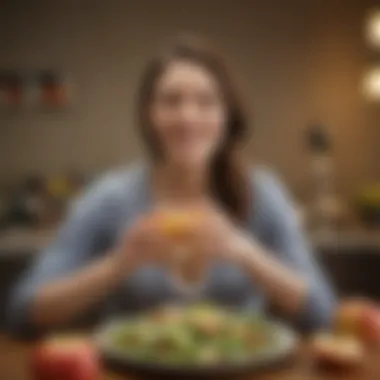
x=193, y=125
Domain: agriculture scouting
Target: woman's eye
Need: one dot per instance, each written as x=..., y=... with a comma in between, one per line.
x=169, y=100
x=207, y=101
x=201, y=101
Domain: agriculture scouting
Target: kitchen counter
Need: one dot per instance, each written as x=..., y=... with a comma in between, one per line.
x=347, y=240
x=25, y=241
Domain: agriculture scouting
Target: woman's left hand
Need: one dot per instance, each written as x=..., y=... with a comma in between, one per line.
x=217, y=236
x=212, y=236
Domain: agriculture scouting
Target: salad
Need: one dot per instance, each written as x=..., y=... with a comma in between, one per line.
x=196, y=334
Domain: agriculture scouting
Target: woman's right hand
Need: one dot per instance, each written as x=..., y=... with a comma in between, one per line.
x=143, y=243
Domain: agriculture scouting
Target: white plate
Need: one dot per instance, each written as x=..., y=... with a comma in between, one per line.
x=278, y=352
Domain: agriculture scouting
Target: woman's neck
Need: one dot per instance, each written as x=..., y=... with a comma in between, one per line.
x=180, y=183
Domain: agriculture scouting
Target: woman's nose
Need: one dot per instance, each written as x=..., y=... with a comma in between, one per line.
x=188, y=112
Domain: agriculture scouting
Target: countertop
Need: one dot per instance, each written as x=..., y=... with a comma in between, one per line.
x=24, y=241
x=27, y=241
x=347, y=240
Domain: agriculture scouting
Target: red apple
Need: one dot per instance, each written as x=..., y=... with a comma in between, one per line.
x=370, y=325
x=349, y=316
x=359, y=318
x=65, y=358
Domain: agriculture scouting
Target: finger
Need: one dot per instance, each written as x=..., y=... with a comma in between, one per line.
x=159, y=247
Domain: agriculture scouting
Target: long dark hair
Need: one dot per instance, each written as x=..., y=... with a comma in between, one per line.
x=229, y=180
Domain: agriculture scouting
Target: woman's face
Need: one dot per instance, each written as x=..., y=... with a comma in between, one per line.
x=188, y=114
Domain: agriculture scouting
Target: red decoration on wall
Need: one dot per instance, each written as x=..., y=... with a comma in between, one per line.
x=53, y=90
x=11, y=87
x=46, y=88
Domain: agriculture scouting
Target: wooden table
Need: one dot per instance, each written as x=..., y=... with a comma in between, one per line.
x=14, y=356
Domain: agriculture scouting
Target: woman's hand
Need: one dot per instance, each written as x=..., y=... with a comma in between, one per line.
x=185, y=245
x=143, y=243
x=212, y=236
x=217, y=236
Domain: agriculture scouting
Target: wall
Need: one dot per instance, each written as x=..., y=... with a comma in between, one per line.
x=296, y=61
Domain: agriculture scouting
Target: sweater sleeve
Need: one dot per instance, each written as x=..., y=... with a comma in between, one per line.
x=76, y=244
x=288, y=242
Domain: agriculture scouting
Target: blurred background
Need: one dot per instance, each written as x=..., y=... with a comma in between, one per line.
x=309, y=72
